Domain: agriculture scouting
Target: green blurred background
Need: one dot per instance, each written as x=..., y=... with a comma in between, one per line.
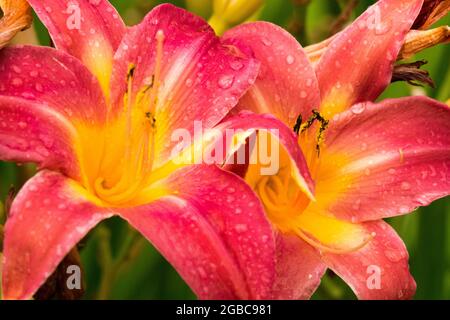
x=119, y=264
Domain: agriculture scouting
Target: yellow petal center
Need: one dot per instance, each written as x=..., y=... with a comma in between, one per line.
x=128, y=155
x=292, y=211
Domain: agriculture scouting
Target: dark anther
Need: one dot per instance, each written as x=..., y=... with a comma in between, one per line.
x=323, y=126
x=152, y=119
x=298, y=124
x=131, y=70
x=149, y=86
x=316, y=116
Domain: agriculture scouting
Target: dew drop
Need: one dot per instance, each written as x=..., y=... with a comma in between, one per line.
x=236, y=65
x=22, y=125
x=266, y=42
x=28, y=205
x=240, y=228
x=39, y=87
x=405, y=186
x=358, y=108
x=290, y=59
x=17, y=82
x=393, y=255
x=16, y=69
x=226, y=81
x=231, y=190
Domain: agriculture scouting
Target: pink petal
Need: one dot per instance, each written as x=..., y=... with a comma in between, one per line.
x=48, y=218
x=358, y=64
x=30, y=132
x=57, y=104
x=201, y=78
x=191, y=245
x=393, y=157
x=54, y=79
x=89, y=30
x=286, y=86
x=299, y=268
x=248, y=121
x=214, y=231
x=386, y=256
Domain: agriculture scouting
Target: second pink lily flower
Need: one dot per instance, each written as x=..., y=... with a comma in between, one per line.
x=369, y=161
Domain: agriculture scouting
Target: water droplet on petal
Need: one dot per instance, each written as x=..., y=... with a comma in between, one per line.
x=236, y=65
x=16, y=69
x=394, y=255
x=226, y=81
x=358, y=108
x=39, y=87
x=405, y=186
x=22, y=125
x=240, y=228
x=266, y=42
x=28, y=205
x=290, y=59
x=17, y=82
x=231, y=190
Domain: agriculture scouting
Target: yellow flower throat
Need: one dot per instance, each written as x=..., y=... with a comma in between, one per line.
x=289, y=208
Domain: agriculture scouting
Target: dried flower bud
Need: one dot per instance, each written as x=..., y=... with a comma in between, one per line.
x=417, y=41
x=16, y=17
x=432, y=11
x=411, y=73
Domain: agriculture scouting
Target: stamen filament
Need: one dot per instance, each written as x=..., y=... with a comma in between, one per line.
x=157, y=74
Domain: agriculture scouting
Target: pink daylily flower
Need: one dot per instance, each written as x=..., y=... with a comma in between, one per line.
x=96, y=114
x=370, y=161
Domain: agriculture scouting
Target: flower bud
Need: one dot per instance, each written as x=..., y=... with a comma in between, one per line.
x=16, y=17
x=227, y=13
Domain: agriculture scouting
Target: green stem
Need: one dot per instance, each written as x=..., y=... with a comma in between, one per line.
x=111, y=266
x=331, y=289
